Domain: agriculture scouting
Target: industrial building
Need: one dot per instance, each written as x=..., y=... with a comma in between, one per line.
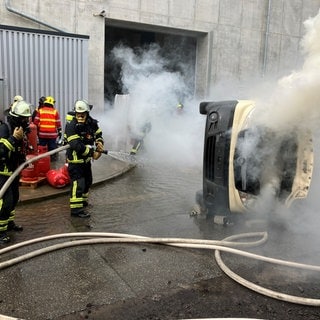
x=62, y=48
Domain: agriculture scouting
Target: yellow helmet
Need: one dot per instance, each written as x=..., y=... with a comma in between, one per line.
x=49, y=100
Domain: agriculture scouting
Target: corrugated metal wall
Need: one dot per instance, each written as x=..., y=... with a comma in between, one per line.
x=35, y=64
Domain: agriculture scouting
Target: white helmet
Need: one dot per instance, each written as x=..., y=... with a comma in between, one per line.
x=20, y=109
x=17, y=98
x=81, y=106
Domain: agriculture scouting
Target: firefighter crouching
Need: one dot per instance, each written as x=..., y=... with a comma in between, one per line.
x=86, y=143
x=12, y=155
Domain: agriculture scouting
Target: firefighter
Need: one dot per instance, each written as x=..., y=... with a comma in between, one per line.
x=179, y=108
x=48, y=122
x=40, y=105
x=84, y=136
x=15, y=99
x=137, y=137
x=12, y=154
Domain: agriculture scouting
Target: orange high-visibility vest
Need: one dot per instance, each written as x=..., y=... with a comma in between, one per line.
x=48, y=122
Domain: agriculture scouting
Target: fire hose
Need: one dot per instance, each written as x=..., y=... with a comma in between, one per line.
x=23, y=165
x=229, y=245
x=226, y=245
x=38, y=157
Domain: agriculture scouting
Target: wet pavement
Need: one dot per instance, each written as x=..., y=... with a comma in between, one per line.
x=34, y=292
x=66, y=281
x=139, y=198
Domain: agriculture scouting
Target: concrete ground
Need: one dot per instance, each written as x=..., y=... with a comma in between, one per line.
x=143, y=281
x=15, y=303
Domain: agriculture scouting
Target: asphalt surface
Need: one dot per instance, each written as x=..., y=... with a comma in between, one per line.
x=42, y=281
x=45, y=282
x=36, y=289
x=141, y=281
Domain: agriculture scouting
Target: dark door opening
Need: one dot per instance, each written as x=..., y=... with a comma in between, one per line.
x=178, y=51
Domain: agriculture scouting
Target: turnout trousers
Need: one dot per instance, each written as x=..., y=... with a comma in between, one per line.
x=8, y=202
x=81, y=181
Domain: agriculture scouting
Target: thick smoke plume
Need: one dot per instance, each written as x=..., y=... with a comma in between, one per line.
x=151, y=91
x=293, y=108
x=150, y=95
x=295, y=102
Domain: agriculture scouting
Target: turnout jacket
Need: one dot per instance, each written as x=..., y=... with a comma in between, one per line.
x=47, y=120
x=11, y=151
x=82, y=138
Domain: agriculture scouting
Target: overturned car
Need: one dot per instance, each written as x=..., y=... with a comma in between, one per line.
x=245, y=163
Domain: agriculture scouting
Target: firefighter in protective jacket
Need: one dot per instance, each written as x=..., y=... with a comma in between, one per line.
x=12, y=155
x=47, y=119
x=84, y=136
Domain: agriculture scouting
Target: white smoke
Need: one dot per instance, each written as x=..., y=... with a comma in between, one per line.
x=152, y=93
x=295, y=102
x=293, y=107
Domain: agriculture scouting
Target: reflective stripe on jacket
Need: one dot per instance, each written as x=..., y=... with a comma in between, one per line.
x=10, y=151
x=82, y=138
x=48, y=122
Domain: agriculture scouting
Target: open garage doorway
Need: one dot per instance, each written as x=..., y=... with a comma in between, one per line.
x=178, y=53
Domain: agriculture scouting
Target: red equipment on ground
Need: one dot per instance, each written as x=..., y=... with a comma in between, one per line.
x=32, y=139
x=37, y=169
x=30, y=173
x=58, y=178
x=43, y=164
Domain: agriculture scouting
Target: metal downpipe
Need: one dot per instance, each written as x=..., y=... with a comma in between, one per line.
x=264, y=65
x=11, y=9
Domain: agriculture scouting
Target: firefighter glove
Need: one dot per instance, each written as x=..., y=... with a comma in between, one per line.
x=18, y=133
x=96, y=155
x=99, y=146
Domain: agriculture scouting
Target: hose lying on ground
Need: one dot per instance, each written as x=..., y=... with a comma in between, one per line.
x=225, y=245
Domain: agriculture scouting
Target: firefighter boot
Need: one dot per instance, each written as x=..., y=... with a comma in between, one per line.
x=14, y=227
x=4, y=238
x=86, y=204
x=79, y=213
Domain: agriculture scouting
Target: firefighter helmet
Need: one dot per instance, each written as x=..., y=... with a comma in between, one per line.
x=20, y=109
x=49, y=100
x=81, y=106
x=180, y=106
x=42, y=100
x=17, y=98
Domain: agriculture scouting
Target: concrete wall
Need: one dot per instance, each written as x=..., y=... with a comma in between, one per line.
x=238, y=39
